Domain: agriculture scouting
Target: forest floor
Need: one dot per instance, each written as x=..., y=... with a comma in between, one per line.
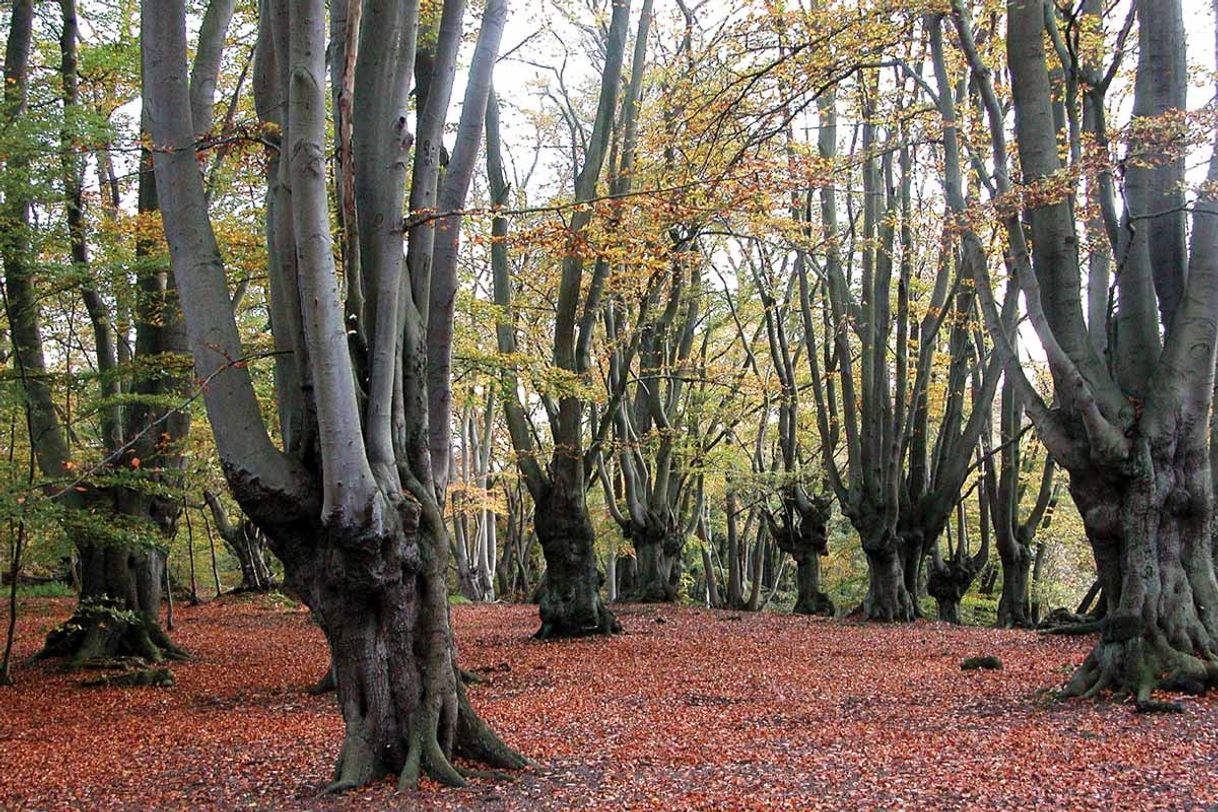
x=688, y=709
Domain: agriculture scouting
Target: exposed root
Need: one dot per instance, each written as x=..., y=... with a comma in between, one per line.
x=604, y=624
x=470, y=678
x=1127, y=662
x=477, y=742
x=1090, y=627
x=339, y=787
x=820, y=605
x=139, y=678
x=437, y=764
x=650, y=592
x=100, y=631
x=488, y=775
x=356, y=766
x=408, y=778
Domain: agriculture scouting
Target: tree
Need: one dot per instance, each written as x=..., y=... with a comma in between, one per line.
x=569, y=595
x=938, y=460
x=120, y=509
x=872, y=418
x=1002, y=492
x=1129, y=428
x=350, y=502
x=247, y=544
x=800, y=526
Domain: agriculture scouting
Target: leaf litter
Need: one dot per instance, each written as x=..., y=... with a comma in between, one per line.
x=773, y=712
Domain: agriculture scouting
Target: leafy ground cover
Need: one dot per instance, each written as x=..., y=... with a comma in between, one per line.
x=689, y=709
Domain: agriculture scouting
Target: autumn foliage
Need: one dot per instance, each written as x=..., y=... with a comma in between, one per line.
x=688, y=709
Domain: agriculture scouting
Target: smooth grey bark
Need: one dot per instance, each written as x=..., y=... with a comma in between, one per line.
x=358, y=526
x=474, y=531
x=938, y=455
x=569, y=599
x=446, y=236
x=950, y=577
x=1133, y=441
x=653, y=506
x=735, y=577
x=205, y=70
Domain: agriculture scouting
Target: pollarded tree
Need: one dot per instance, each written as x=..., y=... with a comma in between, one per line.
x=1014, y=534
x=1130, y=428
x=119, y=509
x=871, y=418
x=569, y=596
x=656, y=508
x=938, y=442
x=800, y=525
x=350, y=501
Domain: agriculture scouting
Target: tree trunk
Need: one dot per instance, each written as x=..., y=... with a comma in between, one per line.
x=755, y=569
x=467, y=585
x=810, y=599
x=712, y=583
x=120, y=600
x=383, y=605
x=949, y=581
x=657, y=553
x=1014, y=604
x=486, y=556
x=735, y=577
x=887, y=598
x=804, y=534
x=913, y=550
x=611, y=577
x=1150, y=530
x=569, y=595
x=247, y=544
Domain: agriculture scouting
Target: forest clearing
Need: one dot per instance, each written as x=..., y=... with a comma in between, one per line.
x=687, y=709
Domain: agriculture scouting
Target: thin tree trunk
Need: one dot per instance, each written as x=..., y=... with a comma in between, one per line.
x=190, y=551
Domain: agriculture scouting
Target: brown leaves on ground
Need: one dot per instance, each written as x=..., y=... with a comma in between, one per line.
x=771, y=712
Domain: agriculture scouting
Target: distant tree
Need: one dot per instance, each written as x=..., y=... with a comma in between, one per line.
x=120, y=510
x=569, y=596
x=247, y=544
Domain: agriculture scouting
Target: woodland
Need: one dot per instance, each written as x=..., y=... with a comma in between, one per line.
x=555, y=404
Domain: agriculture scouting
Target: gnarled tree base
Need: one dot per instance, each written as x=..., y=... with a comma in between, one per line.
x=948, y=583
x=651, y=592
x=887, y=598
x=563, y=618
x=380, y=595
x=100, y=631
x=357, y=765
x=568, y=596
x=817, y=604
x=1128, y=661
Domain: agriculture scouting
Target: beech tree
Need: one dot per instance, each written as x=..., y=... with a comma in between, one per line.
x=1128, y=426
x=350, y=501
x=569, y=596
x=800, y=525
x=118, y=510
x=247, y=544
x=1003, y=490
